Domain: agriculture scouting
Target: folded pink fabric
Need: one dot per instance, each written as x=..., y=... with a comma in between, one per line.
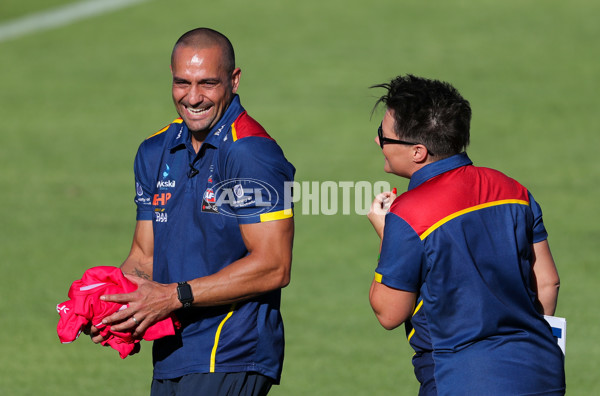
x=85, y=307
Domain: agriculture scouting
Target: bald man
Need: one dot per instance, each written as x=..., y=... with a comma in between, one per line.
x=213, y=238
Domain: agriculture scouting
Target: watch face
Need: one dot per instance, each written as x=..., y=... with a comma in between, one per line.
x=184, y=293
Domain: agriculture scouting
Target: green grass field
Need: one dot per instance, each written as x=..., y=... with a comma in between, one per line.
x=76, y=100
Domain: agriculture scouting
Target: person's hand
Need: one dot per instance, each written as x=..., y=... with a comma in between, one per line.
x=379, y=208
x=150, y=303
x=94, y=334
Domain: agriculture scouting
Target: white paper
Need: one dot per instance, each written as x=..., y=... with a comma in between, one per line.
x=559, y=330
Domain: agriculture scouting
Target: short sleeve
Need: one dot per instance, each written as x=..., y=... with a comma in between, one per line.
x=402, y=256
x=260, y=180
x=143, y=187
x=539, y=230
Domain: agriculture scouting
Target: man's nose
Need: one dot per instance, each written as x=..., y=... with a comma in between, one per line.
x=195, y=95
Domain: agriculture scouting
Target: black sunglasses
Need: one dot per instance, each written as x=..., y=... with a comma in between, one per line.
x=384, y=140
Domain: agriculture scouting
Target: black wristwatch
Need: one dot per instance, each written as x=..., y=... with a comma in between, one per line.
x=184, y=294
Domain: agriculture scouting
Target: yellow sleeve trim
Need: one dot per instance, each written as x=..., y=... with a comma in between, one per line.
x=279, y=215
x=213, y=354
x=176, y=121
x=378, y=277
x=471, y=209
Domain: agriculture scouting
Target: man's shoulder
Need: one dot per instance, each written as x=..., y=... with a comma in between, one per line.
x=249, y=139
x=164, y=133
x=245, y=126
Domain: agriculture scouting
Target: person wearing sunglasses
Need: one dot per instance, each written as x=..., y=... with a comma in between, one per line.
x=464, y=260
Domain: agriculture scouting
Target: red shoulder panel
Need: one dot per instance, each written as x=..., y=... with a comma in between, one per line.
x=455, y=191
x=245, y=126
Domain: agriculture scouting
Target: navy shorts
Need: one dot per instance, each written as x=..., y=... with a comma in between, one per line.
x=424, y=367
x=217, y=384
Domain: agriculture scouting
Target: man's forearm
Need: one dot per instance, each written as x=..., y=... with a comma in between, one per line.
x=138, y=266
x=238, y=281
x=139, y=262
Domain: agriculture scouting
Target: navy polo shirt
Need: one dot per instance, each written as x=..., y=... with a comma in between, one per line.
x=461, y=239
x=197, y=203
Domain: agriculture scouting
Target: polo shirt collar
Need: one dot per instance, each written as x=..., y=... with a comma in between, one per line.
x=436, y=168
x=214, y=138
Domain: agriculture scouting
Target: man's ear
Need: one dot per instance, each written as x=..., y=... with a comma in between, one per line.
x=235, y=79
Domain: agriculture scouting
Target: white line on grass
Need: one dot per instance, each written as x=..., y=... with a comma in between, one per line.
x=60, y=16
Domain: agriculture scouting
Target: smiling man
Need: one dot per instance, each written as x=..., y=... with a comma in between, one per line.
x=218, y=264
x=204, y=81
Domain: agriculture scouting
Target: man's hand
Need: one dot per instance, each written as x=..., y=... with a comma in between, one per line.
x=379, y=208
x=150, y=303
x=94, y=334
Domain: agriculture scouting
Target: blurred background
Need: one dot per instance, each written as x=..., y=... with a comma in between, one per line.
x=82, y=83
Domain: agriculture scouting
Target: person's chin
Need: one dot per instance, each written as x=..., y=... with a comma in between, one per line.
x=195, y=125
x=389, y=170
x=386, y=168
